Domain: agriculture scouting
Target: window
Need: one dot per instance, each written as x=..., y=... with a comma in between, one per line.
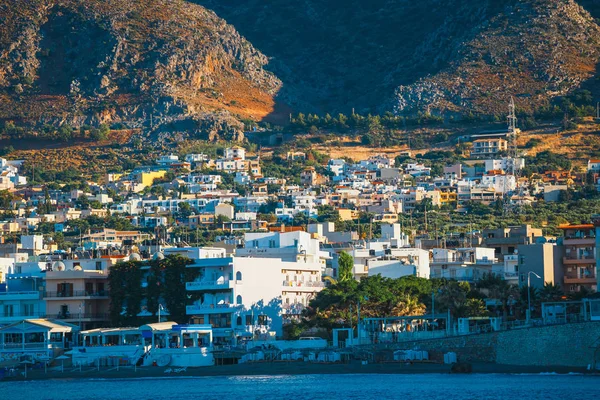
x=238, y=299
x=64, y=311
x=220, y=320
x=64, y=290
x=248, y=319
x=262, y=319
x=56, y=336
x=238, y=321
x=238, y=276
x=98, y=265
x=27, y=310
x=8, y=310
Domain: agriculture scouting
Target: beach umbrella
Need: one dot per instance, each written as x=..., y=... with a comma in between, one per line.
x=45, y=360
x=62, y=358
x=25, y=362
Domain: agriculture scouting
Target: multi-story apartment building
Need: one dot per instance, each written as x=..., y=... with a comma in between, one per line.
x=579, y=261
x=488, y=147
x=464, y=264
x=77, y=292
x=505, y=241
x=245, y=297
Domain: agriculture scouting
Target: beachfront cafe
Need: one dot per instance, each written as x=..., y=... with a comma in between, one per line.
x=163, y=335
x=112, y=337
x=36, y=338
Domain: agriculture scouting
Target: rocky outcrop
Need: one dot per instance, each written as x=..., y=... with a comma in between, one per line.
x=441, y=56
x=151, y=63
x=533, y=50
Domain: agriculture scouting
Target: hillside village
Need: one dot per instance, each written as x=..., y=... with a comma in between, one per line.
x=285, y=239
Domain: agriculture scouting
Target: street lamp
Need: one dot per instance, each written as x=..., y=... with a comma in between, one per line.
x=528, y=314
x=160, y=307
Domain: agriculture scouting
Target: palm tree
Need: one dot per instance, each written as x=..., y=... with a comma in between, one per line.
x=408, y=305
x=534, y=295
x=453, y=297
x=551, y=292
x=504, y=292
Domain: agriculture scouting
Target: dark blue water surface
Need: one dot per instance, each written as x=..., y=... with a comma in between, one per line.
x=300, y=387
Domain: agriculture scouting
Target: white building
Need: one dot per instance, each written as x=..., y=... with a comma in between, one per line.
x=235, y=152
x=245, y=297
x=397, y=263
x=593, y=166
x=166, y=161
x=504, y=164
x=35, y=243
x=289, y=246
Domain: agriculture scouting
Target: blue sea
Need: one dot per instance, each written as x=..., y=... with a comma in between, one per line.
x=300, y=387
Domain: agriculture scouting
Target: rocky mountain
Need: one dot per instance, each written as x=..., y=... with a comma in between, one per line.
x=168, y=63
x=175, y=66
x=439, y=55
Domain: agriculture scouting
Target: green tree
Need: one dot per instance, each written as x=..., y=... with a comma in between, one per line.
x=346, y=267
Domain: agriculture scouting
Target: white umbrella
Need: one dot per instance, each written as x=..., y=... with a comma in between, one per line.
x=45, y=360
x=62, y=358
x=25, y=362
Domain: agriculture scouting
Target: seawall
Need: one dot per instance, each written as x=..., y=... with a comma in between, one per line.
x=570, y=345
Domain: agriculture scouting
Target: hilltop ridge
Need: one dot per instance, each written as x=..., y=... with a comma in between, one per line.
x=90, y=62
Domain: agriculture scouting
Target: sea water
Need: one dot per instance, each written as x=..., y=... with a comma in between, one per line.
x=329, y=387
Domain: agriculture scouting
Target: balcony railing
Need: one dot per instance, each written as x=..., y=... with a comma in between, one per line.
x=304, y=284
x=588, y=279
x=77, y=316
x=29, y=295
x=293, y=308
x=77, y=293
x=218, y=284
x=23, y=315
x=209, y=308
x=25, y=346
x=583, y=259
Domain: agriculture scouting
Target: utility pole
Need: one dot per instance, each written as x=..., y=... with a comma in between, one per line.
x=426, y=228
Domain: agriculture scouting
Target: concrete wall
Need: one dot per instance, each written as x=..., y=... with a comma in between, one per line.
x=557, y=345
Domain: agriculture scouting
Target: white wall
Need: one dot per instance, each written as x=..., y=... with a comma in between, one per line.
x=391, y=268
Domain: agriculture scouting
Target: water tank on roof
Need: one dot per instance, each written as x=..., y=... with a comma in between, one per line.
x=135, y=257
x=158, y=256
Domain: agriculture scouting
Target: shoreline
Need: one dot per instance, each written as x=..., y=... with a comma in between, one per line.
x=283, y=368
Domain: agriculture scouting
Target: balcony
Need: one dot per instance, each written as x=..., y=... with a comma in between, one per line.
x=570, y=260
x=210, y=308
x=15, y=317
x=293, y=309
x=212, y=262
x=74, y=317
x=76, y=294
x=299, y=286
x=76, y=274
x=572, y=241
x=30, y=295
x=590, y=280
x=29, y=346
x=211, y=285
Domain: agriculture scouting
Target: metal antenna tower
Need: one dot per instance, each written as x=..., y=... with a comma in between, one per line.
x=511, y=159
x=512, y=137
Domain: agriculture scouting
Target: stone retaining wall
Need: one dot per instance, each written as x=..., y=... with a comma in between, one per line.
x=557, y=345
